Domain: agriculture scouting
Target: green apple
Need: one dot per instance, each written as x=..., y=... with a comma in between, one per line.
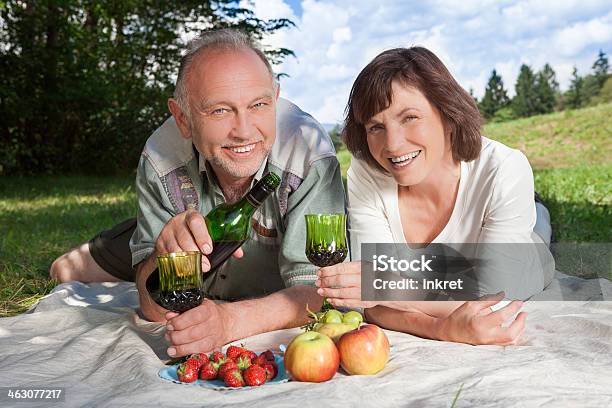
x=332, y=316
x=352, y=317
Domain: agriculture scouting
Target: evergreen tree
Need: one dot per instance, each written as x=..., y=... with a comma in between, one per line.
x=473, y=96
x=547, y=89
x=593, y=82
x=495, y=96
x=335, y=135
x=601, y=68
x=574, y=95
x=525, y=101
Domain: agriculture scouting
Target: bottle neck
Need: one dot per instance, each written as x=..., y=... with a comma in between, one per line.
x=253, y=200
x=258, y=194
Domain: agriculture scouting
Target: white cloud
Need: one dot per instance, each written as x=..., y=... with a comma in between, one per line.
x=572, y=40
x=335, y=39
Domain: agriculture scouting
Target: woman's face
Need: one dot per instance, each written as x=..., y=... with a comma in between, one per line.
x=408, y=138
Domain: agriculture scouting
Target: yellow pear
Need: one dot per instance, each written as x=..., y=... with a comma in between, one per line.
x=334, y=330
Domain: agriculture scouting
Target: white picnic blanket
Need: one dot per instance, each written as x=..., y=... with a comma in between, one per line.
x=90, y=340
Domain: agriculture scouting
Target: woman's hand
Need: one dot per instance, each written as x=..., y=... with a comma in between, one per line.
x=475, y=323
x=341, y=285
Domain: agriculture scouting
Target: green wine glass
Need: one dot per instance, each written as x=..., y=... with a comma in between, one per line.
x=326, y=239
x=180, y=280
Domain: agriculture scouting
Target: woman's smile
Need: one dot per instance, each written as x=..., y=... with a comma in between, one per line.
x=400, y=162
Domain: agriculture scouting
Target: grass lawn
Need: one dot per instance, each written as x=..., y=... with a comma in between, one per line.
x=41, y=217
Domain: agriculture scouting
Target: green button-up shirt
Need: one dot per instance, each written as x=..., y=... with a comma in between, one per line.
x=172, y=178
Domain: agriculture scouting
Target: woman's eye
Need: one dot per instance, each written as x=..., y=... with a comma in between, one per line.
x=409, y=118
x=374, y=129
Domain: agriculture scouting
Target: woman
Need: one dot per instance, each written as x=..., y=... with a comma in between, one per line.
x=422, y=173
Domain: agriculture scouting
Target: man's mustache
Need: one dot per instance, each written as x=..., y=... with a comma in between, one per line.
x=242, y=143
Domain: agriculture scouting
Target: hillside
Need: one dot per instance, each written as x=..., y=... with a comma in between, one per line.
x=560, y=139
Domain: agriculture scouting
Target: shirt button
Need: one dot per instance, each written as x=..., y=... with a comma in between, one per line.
x=222, y=276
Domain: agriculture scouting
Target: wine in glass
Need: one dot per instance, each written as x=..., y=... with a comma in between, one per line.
x=180, y=281
x=326, y=242
x=326, y=239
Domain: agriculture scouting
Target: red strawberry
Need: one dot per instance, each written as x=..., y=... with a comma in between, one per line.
x=233, y=378
x=260, y=360
x=250, y=354
x=234, y=351
x=187, y=373
x=192, y=362
x=218, y=357
x=271, y=370
x=200, y=358
x=209, y=371
x=225, y=367
x=255, y=375
x=268, y=354
x=243, y=362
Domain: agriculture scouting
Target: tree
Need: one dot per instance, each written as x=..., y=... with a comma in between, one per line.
x=547, y=89
x=85, y=82
x=574, y=95
x=601, y=68
x=594, y=82
x=605, y=93
x=525, y=101
x=335, y=136
x=495, y=96
x=471, y=91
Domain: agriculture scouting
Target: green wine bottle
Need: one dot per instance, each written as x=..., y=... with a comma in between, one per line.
x=229, y=224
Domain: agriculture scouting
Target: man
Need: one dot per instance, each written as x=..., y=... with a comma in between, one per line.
x=228, y=129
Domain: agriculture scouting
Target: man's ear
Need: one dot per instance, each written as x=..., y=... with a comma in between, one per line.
x=181, y=119
x=277, y=89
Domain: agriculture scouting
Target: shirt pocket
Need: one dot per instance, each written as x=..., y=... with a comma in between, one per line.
x=265, y=231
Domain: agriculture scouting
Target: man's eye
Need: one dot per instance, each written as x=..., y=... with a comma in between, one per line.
x=219, y=111
x=260, y=105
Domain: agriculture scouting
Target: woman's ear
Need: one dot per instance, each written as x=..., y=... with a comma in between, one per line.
x=182, y=120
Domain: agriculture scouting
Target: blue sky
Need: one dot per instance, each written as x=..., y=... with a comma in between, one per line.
x=335, y=39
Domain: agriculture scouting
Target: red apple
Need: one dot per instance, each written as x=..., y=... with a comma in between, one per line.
x=311, y=357
x=364, y=350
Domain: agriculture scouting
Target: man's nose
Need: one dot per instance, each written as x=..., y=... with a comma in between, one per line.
x=242, y=125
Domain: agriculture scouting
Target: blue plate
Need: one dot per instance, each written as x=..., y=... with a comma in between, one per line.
x=168, y=373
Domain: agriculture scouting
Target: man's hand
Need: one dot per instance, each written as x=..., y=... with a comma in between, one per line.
x=475, y=323
x=210, y=326
x=198, y=330
x=187, y=231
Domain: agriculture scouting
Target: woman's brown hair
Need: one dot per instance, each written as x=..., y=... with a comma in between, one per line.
x=419, y=68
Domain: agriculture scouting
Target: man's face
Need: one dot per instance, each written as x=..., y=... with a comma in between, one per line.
x=233, y=110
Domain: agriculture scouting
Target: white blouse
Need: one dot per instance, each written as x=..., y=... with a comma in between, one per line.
x=494, y=204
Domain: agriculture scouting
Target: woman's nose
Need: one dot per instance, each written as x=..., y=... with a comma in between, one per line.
x=394, y=139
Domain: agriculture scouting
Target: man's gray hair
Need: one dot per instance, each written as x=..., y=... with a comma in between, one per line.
x=223, y=39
